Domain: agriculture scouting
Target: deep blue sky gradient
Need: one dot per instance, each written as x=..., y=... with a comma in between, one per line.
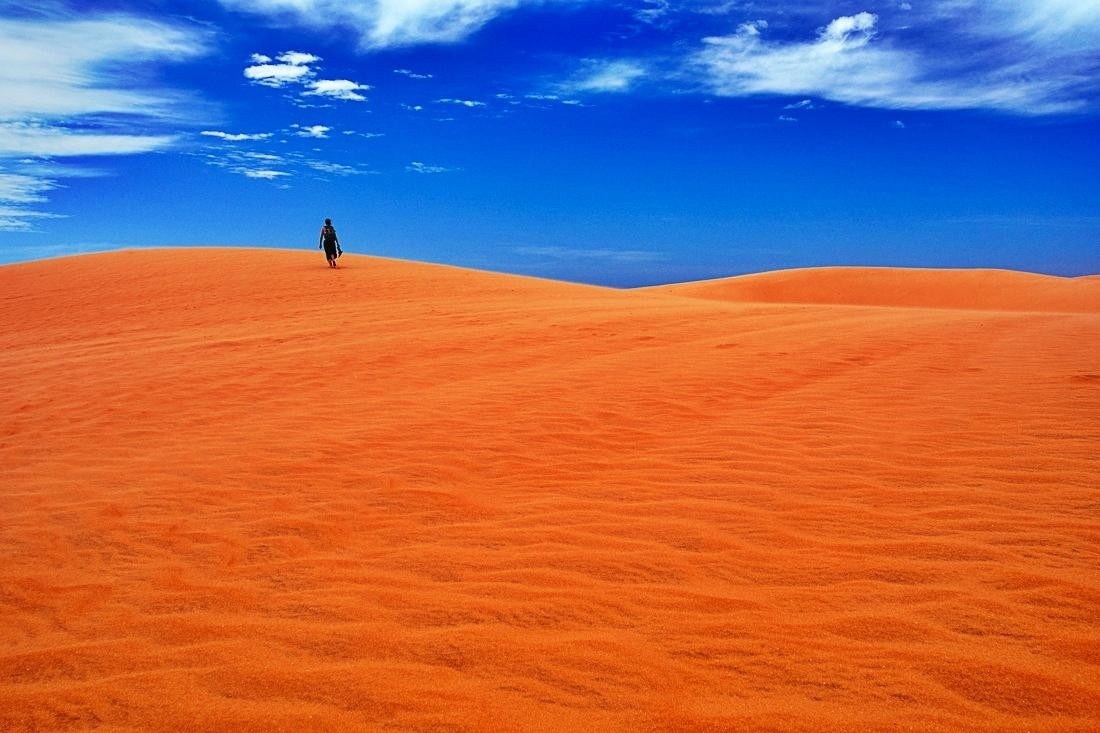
x=665, y=180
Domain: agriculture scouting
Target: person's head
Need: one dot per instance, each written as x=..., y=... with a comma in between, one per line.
x=328, y=222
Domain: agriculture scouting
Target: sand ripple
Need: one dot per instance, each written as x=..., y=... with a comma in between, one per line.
x=246, y=492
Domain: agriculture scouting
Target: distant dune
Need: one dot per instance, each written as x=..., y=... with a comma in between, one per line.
x=1001, y=290
x=242, y=491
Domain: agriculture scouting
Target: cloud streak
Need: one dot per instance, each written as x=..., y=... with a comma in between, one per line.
x=386, y=23
x=418, y=167
x=236, y=137
x=68, y=88
x=59, y=69
x=604, y=75
x=1020, y=58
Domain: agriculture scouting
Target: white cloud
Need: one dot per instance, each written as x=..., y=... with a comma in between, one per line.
x=338, y=169
x=297, y=58
x=899, y=124
x=278, y=75
x=236, y=137
x=265, y=174
x=844, y=27
x=462, y=102
x=30, y=138
x=804, y=104
x=413, y=107
x=258, y=166
x=297, y=68
x=17, y=188
x=19, y=220
x=337, y=89
x=1066, y=23
x=316, y=131
x=270, y=167
x=604, y=76
x=60, y=69
x=849, y=62
x=385, y=23
x=787, y=118
x=417, y=167
x=16, y=191
x=411, y=74
x=67, y=89
x=264, y=157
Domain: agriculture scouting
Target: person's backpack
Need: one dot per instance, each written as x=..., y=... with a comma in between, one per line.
x=328, y=234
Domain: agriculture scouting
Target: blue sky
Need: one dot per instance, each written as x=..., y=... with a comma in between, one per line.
x=624, y=143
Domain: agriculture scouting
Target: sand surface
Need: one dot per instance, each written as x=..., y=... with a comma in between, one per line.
x=240, y=491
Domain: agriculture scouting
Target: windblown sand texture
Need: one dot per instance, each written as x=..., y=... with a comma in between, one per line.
x=240, y=491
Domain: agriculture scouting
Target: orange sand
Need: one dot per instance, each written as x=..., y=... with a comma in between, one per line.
x=241, y=491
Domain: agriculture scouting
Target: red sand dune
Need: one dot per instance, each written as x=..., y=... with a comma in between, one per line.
x=1000, y=290
x=242, y=491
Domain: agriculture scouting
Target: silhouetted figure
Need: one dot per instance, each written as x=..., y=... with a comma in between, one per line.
x=330, y=243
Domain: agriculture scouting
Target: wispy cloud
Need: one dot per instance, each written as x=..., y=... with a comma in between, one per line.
x=61, y=69
x=265, y=174
x=602, y=75
x=67, y=89
x=461, y=102
x=271, y=167
x=411, y=74
x=336, y=169
x=16, y=192
x=259, y=166
x=27, y=183
x=236, y=137
x=23, y=189
x=804, y=104
x=1030, y=57
x=653, y=11
x=417, y=167
x=314, y=131
x=387, y=23
x=14, y=219
x=54, y=140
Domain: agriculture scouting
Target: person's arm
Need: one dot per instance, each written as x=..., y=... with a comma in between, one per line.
x=321, y=239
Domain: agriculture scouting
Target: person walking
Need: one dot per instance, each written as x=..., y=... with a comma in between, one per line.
x=330, y=243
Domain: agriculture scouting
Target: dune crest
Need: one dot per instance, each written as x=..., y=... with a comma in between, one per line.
x=997, y=290
x=242, y=491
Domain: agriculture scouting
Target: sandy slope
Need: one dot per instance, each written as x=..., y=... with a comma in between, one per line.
x=1000, y=290
x=242, y=491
